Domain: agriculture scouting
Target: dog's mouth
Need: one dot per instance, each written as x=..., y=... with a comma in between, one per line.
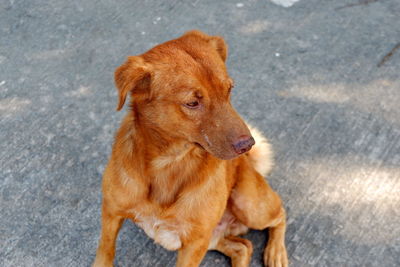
x=223, y=157
x=198, y=145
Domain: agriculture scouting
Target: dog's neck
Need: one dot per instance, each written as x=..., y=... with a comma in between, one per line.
x=167, y=165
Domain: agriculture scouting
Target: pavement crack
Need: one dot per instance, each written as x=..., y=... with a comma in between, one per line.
x=359, y=3
x=389, y=55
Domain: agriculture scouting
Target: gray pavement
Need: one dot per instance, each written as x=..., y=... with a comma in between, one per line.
x=306, y=75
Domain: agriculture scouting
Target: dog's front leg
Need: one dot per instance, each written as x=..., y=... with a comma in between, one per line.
x=110, y=225
x=191, y=253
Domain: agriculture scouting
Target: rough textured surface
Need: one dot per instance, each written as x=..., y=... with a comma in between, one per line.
x=307, y=76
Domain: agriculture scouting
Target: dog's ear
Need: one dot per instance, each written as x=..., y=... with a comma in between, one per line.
x=132, y=76
x=217, y=42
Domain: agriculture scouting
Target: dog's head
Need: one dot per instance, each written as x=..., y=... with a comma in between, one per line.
x=181, y=88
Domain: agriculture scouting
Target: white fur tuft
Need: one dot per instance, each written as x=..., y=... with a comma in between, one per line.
x=261, y=154
x=168, y=239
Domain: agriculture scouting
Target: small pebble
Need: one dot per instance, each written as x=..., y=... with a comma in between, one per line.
x=157, y=20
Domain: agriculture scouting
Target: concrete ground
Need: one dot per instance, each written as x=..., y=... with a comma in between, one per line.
x=306, y=75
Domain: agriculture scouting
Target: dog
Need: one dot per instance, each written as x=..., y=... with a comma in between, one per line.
x=181, y=167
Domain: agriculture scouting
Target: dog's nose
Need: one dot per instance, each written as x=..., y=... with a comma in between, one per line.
x=243, y=144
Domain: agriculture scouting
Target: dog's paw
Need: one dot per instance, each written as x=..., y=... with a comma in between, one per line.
x=275, y=255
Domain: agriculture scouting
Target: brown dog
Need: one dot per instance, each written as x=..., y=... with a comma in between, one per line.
x=179, y=167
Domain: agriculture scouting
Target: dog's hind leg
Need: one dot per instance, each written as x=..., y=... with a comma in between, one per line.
x=275, y=253
x=256, y=205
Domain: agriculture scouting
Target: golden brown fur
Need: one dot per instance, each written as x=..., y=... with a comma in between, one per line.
x=175, y=168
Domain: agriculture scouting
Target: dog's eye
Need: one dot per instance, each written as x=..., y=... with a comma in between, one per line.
x=193, y=104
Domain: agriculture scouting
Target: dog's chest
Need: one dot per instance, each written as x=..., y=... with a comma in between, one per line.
x=169, y=214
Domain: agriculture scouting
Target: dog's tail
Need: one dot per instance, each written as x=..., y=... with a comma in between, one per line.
x=261, y=154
